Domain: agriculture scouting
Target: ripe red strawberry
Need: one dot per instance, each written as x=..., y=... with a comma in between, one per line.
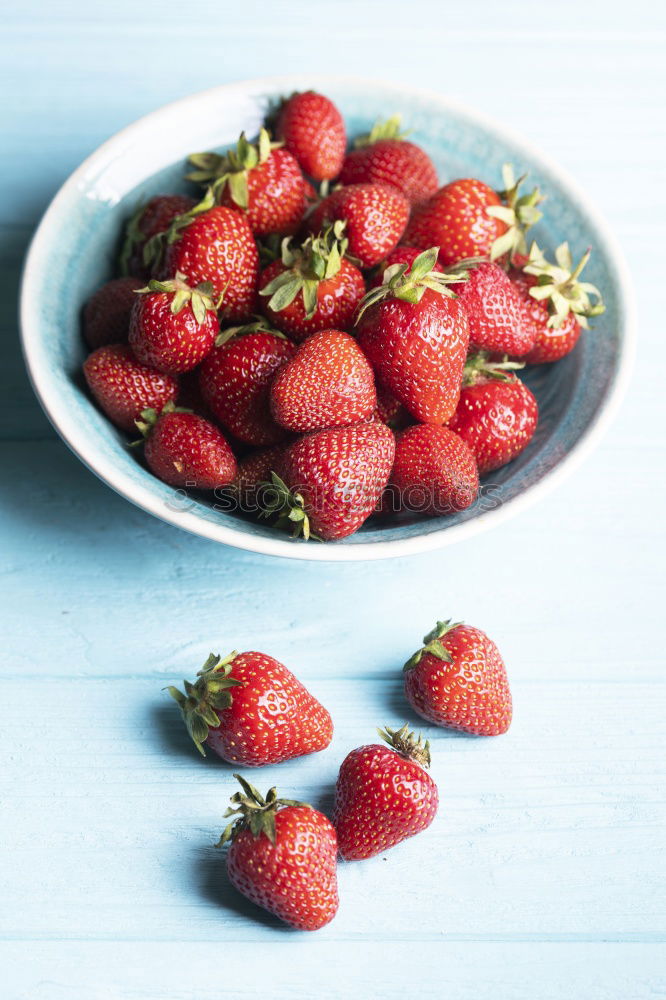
x=261, y=180
x=399, y=255
x=434, y=471
x=283, y=857
x=313, y=130
x=148, y=222
x=415, y=334
x=495, y=311
x=215, y=243
x=383, y=795
x=497, y=414
x=123, y=387
x=185, y=450
x=333, y=479
x=106, y=314
x=458, y=679
x=312, y=287
x=235, y=383
x=390, y=411
x=376, y=216
x=385, y=156
x=456, y=219
x=173, y=327
x=556, y=303
x=249, y=709
x=328, y=383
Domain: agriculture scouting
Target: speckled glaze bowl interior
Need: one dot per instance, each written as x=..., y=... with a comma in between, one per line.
x=75, y=247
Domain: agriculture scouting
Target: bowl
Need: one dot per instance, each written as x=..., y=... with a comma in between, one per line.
x=74, y=249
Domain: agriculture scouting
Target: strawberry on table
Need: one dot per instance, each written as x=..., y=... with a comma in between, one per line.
x=457, y=220
x=235, y=381
x=330, y=481
x=386, y=156
x=556, y=303
x=123, y=387
x=434, y=471
x=262, y=180
x=376, y=216
x=415, y=334
x=106, y=314
x=497, y=414
x=383, y=795
x=312, y=287
x=313, y=130
x=184, y=450
x=173, y=327
x=458, y=680
x=328, y=383
x=215, y=243
x=495, y=309
x=145, y=227
x=251, y=710
x=282, y=856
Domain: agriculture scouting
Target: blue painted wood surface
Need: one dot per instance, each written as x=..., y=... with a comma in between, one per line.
x=544, y=873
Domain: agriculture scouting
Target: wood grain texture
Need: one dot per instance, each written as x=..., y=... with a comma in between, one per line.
x=543, y=875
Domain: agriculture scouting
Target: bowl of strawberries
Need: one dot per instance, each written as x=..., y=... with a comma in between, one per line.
x=325, y=318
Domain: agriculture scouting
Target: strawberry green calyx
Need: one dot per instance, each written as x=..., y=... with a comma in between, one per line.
x=558, y=285
x=409, y=283
x=382, y=129
x=288, y=507
x=232, y=168
x=407, y=744
x=209, y=694
x=433, y=645
x=133, y=238
x=480, y=366
x=150, y=417
x=316, y=260
x=259, y=325
x=519, y=213
x=200, y=298
x=253, y=812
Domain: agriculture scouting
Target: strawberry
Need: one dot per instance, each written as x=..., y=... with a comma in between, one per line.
x=390, y=411
x=313, y=130
x=215, y=243
x=282, y=856
x=434, y=471
x=173, y=327
x=328, y=383
x=261, y=180
x=184, y=450
x=415, y=334
x=495, y=310
x=235, y=382
x=312, y=287
x=249, y=709
x=383, y=795
x=385, y=156
x=332, y=480
x=106, y=314
x=556, y=303
x=458, y=680
x=254, y=473
x=497, y=414
x=466, y=218
x=123, y=387
x=399, y=255
x=376, y=216
x=146, y=225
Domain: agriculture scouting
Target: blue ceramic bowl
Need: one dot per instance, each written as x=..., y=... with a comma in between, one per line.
x=74, y=249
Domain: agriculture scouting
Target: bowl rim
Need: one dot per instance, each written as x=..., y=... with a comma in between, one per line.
x=75, y=436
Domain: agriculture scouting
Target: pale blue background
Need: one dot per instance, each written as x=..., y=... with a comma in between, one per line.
x=543, y=875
